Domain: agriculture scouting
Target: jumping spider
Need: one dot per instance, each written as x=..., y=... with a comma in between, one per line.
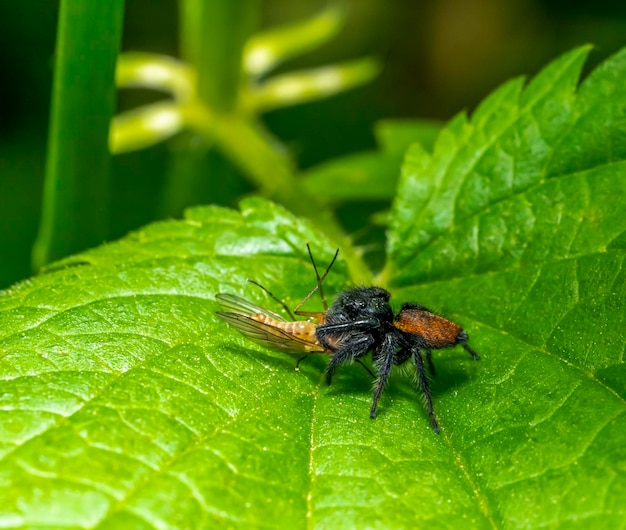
x=361, y=320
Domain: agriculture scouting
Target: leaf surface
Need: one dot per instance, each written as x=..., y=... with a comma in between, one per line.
x=126, y=403
x=515, y=226
x=370, y=175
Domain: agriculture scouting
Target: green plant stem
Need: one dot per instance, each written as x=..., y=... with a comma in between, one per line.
x=244, y=143
x=213, y=35
x=75, y=211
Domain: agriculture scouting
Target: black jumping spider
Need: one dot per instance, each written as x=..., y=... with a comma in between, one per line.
x=361, y=320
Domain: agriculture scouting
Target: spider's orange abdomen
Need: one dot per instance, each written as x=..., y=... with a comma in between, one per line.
x=437, y=331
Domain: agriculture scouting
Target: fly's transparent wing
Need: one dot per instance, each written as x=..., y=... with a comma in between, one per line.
x=237, y=304
x=270, y=336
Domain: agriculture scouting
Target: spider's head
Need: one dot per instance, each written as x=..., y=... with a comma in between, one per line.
x=361, y=303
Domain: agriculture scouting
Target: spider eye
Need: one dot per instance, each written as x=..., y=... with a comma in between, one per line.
x=357, y=305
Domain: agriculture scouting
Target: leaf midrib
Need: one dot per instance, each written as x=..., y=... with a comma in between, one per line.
x=483, y=503
x=311, y=471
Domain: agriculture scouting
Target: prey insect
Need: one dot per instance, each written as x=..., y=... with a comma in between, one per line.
x=270, y=329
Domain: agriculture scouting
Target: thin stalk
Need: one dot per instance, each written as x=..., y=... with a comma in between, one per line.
x=75, y=210
x=213, y=36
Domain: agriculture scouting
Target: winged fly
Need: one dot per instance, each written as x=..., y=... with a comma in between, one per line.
x=270, y=329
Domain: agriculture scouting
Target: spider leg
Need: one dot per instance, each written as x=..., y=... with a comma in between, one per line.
x=422, y=381
x=471, y=352
x=349, y=349
x=383, y=362
x=300, y=360
x=365, y=367
x=336, y=329
x=462, y=340
x=429, y=362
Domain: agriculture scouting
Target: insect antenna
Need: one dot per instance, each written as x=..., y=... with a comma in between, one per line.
x=318, y=287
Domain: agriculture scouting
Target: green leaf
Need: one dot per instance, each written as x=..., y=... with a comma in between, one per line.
x=302, y=86
x=126, y=403
x=516, y=226
x=395, y=136
x=156, y=72
x=370, y=175
x=267, y=49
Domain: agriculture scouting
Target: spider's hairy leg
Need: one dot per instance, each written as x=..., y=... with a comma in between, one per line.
x=359, y=361
x=384, y=361
x=326, y=331
x=422, y=381
x=351, y=349
x=462, y=340
x=429, y=362
x=471, y=352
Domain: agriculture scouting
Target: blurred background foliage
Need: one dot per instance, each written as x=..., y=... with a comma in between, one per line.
x=438, y=57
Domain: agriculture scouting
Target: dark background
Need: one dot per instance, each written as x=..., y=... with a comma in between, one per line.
x=440, y=57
